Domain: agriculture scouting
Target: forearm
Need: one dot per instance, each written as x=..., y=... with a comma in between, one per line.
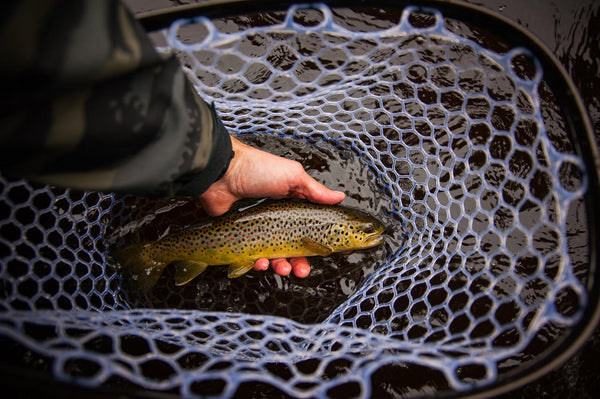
x=89, y=104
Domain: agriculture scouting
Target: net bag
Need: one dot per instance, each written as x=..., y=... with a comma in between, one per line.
x=477, y=149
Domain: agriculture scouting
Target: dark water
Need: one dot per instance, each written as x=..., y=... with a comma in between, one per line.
x=571, y=30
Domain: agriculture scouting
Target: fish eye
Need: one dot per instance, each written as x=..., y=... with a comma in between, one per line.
x=369, y=228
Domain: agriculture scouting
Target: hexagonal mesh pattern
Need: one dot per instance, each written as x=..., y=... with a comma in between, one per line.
x=467, y=146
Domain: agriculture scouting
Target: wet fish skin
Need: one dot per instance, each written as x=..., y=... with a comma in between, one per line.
x=277, y=229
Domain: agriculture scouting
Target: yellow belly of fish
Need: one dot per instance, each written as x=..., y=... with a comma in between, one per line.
x=189, y=263
x=230, y=255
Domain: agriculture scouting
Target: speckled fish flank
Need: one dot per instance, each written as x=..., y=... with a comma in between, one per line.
x=281, y=229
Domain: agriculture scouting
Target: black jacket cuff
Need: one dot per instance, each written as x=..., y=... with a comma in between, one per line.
x=195, y=182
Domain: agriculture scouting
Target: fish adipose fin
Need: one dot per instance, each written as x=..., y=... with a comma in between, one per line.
x=187, y=270
x=144, y=269
x=239, y=269
x=316, y=247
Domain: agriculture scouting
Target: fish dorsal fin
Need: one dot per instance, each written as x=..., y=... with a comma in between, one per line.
x=316, y=247
x=239, y=269
x=187, y=270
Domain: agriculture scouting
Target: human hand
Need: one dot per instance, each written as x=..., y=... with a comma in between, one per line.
x=253, y=173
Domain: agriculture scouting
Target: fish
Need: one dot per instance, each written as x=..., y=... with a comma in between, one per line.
x=271, y=229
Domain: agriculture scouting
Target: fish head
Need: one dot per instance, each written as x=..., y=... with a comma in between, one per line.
x=357, y=231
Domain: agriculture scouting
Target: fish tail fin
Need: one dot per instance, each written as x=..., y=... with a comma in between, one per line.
x=137, y=260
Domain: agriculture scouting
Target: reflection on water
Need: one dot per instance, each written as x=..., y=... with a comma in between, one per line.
x=571, y=30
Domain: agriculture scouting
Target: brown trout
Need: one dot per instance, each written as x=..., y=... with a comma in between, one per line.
x=281, y=229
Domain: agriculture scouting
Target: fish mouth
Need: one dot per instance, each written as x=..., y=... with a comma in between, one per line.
x=373, y=240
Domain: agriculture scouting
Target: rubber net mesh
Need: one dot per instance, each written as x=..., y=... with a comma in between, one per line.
x=461, y=146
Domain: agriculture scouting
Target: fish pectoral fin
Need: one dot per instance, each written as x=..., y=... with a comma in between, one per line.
x=187, y=270
x=239, y=269
x=316, y=247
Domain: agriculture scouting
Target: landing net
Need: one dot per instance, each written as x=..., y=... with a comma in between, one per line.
x=465, y=142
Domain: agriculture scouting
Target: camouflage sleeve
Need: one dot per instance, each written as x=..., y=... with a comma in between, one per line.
x=87, y=103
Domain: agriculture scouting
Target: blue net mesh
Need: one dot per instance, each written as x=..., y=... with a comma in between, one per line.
x=464, y=146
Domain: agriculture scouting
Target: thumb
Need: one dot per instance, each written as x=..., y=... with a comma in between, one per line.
x=314, y=191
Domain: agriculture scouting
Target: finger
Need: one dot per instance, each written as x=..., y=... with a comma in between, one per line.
x=281, y=266
x=300, y=267
x=261, y=264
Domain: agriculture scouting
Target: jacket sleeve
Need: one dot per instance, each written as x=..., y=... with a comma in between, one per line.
x=88, y=103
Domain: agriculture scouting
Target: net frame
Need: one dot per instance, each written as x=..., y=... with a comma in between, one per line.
x=571, y=103
x=580, y=125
